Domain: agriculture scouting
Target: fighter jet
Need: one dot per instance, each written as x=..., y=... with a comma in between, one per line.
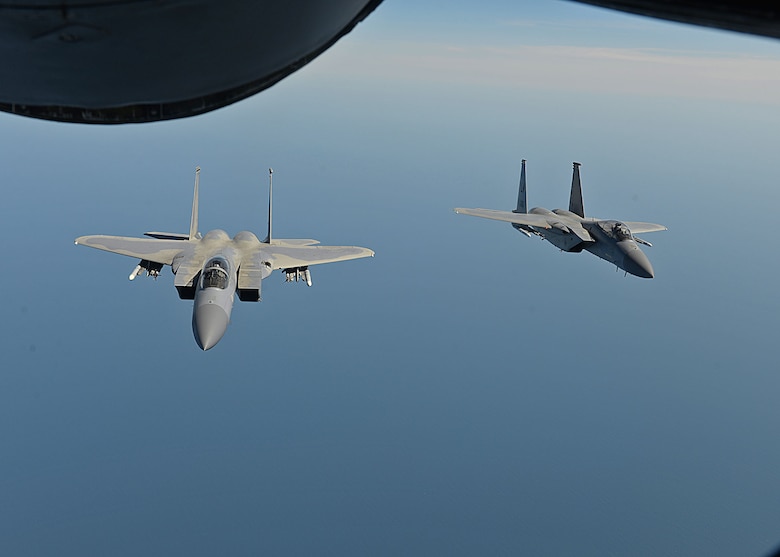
x=570, y=230
x=210, y=269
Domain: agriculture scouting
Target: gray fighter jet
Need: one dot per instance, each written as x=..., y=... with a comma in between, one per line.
x=210, y=269
x=571, y=231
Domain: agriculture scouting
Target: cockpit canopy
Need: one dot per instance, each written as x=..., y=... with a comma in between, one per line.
x=616, y=229
x=215, y=274
x=621, y=231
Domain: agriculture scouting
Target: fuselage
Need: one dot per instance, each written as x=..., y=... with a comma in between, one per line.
x=214, y=300
x=216, y=286
x=610, y=240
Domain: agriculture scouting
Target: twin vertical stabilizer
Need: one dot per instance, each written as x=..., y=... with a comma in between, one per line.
x=270, y=203
x=522, y=202
x=193, y=235
x=194, y=217
x=575, y=200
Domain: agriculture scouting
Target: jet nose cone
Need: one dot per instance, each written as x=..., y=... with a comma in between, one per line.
x=209, y=323
x=637, y=263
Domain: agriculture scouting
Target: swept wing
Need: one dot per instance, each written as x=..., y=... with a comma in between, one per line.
x=288, y=256
x=643, y=227
x=529, y=219
x=151, y=249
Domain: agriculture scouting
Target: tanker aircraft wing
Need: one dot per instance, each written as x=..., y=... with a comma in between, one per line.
x=135, y=61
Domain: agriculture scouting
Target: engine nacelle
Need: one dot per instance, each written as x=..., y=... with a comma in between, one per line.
x=250, y=279
x=250, y=294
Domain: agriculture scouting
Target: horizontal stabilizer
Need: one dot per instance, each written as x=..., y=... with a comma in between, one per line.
x=530, y=219
x=167, y=235
x=643, y=227
x=294, y=242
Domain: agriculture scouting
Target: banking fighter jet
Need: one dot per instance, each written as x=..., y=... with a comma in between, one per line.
x=570, y=230
x=210, y=269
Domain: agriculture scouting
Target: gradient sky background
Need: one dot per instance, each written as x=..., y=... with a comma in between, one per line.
x=466, y=392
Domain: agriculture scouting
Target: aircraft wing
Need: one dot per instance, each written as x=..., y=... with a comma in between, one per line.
x=285, y=257
x=643, y=227
x=294, y=242
x=159, y=251
x=529, y=219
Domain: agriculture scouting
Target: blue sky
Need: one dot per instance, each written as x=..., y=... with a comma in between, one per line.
x=468, y=390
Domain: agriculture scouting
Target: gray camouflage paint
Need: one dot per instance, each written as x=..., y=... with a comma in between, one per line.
x=570, y=231
x=248, y=259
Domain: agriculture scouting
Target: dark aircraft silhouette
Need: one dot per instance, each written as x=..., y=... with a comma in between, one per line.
x=114, y=62
x=133, y=61
x=571, y=231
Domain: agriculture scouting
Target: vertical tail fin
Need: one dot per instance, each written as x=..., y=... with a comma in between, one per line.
x=522, y=203
x=575, y=200
x=270, y=203
x=194, y=217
